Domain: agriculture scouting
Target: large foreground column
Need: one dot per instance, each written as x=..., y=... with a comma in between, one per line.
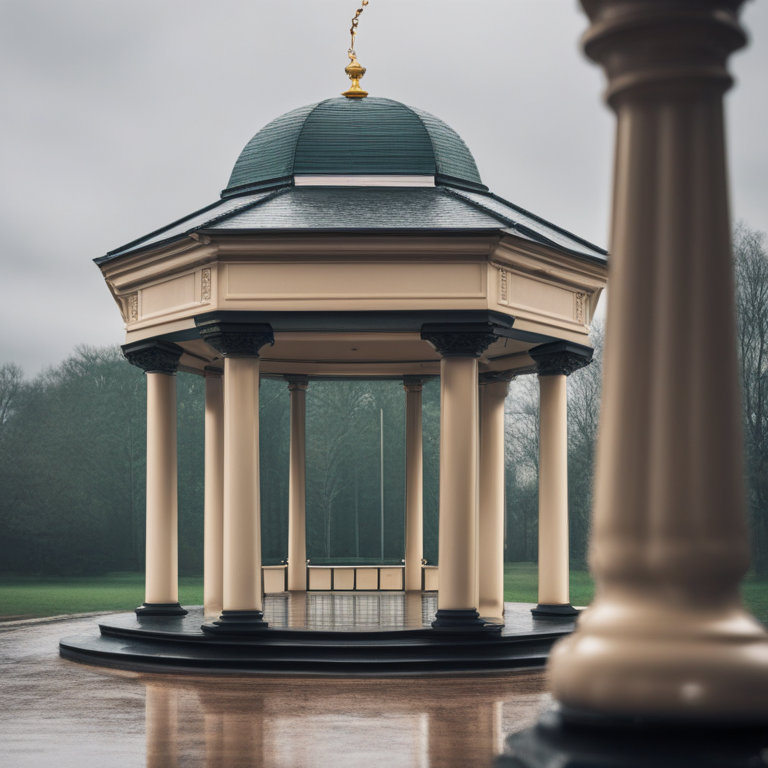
x=457, y=592
x=239, y=343
x=213, y=567
x=493, y=394
x=160, y=360
x=667, y=636
x=297, y=491
x=554, y=362
x=414, y=484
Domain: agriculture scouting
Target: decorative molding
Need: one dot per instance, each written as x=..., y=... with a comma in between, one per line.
x=206, y=286
x=154, y=356
x=503, y=286
x=579, y=304
x=465, y=341
x=133, y=308
x=235, y=339
x=560, y=358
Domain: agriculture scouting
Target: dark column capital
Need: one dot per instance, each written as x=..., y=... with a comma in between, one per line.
x=154, y=356
x=414, y=383
x=212, y=371
x=297, y=382
x=234, y=337
x=496, y=377
x=560, y=358
x=459, y=339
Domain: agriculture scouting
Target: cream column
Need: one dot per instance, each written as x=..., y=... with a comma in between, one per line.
x=457, y=591
x=667, y=635
x=297, y=491
x=160, y=360
x=414, y=484
x=213, y=580
x=493, y=394
x=555, y=362
x=239, y=343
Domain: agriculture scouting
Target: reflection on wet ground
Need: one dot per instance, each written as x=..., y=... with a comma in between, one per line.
x=57, y=713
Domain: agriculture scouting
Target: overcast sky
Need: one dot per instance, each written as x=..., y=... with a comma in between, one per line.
x=119, y=116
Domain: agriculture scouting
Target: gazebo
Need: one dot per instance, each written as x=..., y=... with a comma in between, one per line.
x=355, y=239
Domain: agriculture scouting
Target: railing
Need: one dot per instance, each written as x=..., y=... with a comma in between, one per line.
x=349, y=578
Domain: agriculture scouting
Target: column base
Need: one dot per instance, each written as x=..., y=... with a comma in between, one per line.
x=161, y=609
x=237, y=623
x=545, y=611
x=467, y=620
x=611, y=743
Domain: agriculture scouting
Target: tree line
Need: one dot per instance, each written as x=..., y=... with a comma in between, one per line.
x=73, y=442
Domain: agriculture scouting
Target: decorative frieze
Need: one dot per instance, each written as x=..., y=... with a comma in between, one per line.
x=503, y=287
x=133, y=308
x=205, y=296
x=579, y=304
x=154, y=356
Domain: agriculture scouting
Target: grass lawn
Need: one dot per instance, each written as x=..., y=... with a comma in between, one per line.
x=521, y=583
x=30, y=596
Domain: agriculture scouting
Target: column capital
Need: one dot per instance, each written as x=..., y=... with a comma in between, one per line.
x=233, y=337
x=297, y=383
x=459, y=339
x=689, y=44
x=496, y=377
x=213, y=372
x=560, y=358
x=154, y=356
x=414, y=383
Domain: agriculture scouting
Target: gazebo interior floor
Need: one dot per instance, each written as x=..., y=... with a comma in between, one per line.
x=327, y=634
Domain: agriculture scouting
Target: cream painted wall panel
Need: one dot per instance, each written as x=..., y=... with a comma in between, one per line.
x=343, y=578
x=320, y=578
x=341, y=280
x=430, y=579
x=171, y=295
x=391, y=578
x=367, y=578
x=274, y=579
x=543, y=297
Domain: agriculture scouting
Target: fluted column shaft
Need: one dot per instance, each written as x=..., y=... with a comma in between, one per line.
x=213, y=579
x=297, y=490
x=666, y=635
x=493, y=395
x=414, y=485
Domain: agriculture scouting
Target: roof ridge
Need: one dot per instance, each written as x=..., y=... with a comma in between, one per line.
x=157, y=231
x=254, y=204
x=527, y=231
x=544, y=221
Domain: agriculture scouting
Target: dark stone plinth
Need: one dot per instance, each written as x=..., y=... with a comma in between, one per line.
x=544, y=611
x=160, y=609
x=237, y=623
x=559, y=741
x=322, y=634
x=462, y=621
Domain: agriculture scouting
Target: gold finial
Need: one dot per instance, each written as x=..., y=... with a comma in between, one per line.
x=354, y=70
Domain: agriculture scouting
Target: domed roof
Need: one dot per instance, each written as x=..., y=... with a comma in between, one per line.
x=351, y=137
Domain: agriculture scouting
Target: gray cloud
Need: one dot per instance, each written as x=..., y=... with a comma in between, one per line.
x=122, y=115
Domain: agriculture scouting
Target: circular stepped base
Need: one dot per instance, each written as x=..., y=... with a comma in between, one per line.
x=177, y=644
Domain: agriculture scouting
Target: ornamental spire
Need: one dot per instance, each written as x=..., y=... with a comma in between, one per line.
x=354, y=70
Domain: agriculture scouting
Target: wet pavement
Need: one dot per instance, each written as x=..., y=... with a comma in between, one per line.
x=61, y=714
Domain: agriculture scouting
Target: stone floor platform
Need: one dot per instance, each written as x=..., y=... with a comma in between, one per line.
x=323, y=634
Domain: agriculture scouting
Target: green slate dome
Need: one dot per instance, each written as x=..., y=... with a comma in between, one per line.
x=349, y=137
